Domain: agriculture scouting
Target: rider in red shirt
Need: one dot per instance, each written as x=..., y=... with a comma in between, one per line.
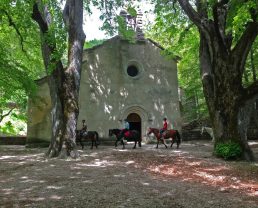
x=165, y=126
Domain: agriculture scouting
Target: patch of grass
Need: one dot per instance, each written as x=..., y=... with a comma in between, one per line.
x=229, y=150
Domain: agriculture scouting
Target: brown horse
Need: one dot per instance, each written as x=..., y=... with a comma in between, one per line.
x=131, y=134
x=169, y=134
x=92, y=136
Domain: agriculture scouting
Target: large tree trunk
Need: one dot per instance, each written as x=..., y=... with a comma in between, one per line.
x=63, y=84
x=229, y=116
x=73, y=17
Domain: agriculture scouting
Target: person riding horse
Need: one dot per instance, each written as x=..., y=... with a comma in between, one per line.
x=84, y=131
x=165, y=126
x=125, y=129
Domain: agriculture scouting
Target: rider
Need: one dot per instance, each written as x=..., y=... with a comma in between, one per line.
x=165, y=126
x=84, y=128
x=126, y=128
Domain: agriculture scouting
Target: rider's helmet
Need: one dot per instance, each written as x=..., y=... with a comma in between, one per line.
x=164, y=119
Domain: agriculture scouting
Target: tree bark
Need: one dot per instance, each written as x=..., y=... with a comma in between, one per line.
x=63, y=83
x=222, y=69
x=73, y=17
x=252, y=64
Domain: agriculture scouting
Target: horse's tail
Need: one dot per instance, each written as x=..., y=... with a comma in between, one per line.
x=178, y=136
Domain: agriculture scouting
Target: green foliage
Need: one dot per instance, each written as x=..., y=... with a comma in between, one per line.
x=124, y=31
x=228, y=150
x=92, y=43
x=20, y=57
x=8, y=128
x=131, y=10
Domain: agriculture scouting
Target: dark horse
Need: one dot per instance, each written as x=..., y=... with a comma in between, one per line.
x=173, y=134
x=129, y=135
x=92, y=136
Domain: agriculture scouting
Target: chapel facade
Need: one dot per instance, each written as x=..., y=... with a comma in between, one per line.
x=119, y=80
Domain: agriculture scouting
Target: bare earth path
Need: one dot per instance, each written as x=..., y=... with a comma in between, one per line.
x=109, y=177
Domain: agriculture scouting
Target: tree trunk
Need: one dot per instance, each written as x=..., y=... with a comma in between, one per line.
x=73, y=17
x=63, y=84
x=223, y=93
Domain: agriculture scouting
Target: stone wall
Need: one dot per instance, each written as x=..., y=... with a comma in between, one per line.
x=12, y=140
x=39, y=116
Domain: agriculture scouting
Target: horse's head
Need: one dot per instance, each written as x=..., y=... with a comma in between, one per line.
x=149, y=131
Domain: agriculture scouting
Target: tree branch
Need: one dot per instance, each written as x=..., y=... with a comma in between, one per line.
x=191, y=13
x=36, y=15
x=243, y=46
x=4, y=115
x=11, y=23
x=220, y=15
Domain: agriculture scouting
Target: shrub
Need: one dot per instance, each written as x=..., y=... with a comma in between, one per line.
x=229, y=150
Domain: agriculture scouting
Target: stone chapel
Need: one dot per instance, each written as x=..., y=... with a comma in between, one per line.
x=119, y=80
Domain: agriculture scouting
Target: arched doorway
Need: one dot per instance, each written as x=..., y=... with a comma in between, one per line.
x=135, y=122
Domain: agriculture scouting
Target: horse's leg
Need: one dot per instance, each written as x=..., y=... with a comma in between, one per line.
x=81, y=143
x=91, y=144
x=122, y=141
x=95, y=141
x=116, y=142
x=135, y=142
x=96, y=145
x=172, y=142
x=140, y=143
x=163, y=141
x=157, y=143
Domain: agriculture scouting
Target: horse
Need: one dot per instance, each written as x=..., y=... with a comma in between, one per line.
x=92, y=136
x=209, y=131
x=129, y=135
x=173, y=134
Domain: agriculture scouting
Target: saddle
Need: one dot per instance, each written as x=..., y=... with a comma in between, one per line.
x=127, y=133
x=165, y=133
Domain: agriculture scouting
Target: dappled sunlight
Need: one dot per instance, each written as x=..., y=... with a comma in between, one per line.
x=32, y=181
x=202, y=171
x=55, y=197
x=7, y=157
x=7, y=191
x=129, y=162
x=55, y=187
x=101, y=172
x=36, y=199
x=95, y=163
x=120, y=176
x=145, y=184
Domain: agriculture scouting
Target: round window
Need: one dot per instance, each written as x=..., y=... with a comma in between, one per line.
x=132, y=71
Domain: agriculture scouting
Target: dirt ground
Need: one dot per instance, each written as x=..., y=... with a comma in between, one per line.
x=144, y=177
